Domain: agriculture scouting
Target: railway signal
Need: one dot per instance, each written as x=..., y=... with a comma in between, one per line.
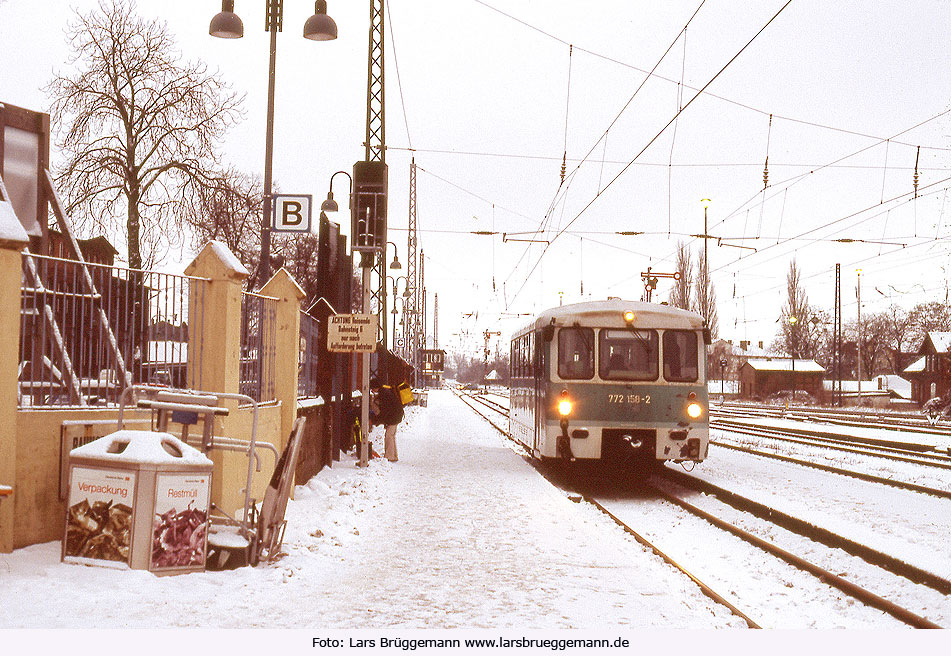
x=368, y=229
x=650, y=281
x=485, y=357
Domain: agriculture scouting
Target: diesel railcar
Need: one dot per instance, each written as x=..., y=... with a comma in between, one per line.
x=617, y=382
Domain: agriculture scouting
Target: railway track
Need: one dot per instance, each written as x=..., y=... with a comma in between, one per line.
x=866, y=418
x=834, y=545
x=838, y=550
x=891, y=482
x=918, y=453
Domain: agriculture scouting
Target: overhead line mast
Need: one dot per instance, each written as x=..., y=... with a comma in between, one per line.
x=412, y=342
x=368, y=211
x=375, y=151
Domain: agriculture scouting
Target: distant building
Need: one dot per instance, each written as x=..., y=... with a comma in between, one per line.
x=882, y=391
x=762, y=377
x=433, y=364
x=930, y=374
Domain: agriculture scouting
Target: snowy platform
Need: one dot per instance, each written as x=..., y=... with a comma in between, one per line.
x=460, y=533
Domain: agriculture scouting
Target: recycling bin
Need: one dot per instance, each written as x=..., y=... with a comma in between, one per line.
x=140, y=500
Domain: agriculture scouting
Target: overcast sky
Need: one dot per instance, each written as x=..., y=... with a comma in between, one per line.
x=487, y=95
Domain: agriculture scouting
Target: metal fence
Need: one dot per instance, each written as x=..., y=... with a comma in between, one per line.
x=87, y=331
x=307, y=366
x=258, y=347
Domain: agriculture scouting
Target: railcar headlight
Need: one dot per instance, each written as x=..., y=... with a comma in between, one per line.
x=694, y=410
x=629, y=317
x=564, y=404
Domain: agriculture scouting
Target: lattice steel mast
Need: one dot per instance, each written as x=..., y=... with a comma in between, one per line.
x=368, y=209
x=412, y=342
x=375, y=145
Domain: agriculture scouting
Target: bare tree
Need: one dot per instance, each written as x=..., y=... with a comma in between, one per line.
x=795, y=317
x=898, y=322
x=705, y=298
x=680, y=294
x=228, y=209
x=874, y=335
x=928, y=317
x=138, y=127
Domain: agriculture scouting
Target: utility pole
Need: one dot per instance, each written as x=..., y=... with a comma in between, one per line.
x=422, y=300
x=704, y=288
x=435, y=321
x=837, y=338
x=858, y=299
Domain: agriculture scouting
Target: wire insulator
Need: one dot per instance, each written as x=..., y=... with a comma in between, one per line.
x=915, y=180
x=766, y=174
x=564, y=161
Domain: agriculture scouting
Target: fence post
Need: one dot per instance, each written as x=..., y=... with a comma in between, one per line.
x=13, y=239
x=214, y=333
x=287, y=345
x=214, y=319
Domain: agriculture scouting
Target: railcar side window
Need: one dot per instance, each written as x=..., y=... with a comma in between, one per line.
x=681, y=361
x=628, y=355
x=576, y=353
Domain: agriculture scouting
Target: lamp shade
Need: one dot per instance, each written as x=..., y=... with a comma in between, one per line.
x=320, y=26
x=329, y=205
x=226, y=24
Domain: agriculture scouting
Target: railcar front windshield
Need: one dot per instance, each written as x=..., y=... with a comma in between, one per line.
x=628, y=354
x=576, y=353
x=681, y=360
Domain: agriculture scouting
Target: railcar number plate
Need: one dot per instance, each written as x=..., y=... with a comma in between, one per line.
x=633, y=399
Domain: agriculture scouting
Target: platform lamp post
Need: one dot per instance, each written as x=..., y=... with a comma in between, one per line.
x=227, y=25
x=705, y=289
x=396, y=297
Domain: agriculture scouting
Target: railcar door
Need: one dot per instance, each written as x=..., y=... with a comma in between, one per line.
x=540, y=346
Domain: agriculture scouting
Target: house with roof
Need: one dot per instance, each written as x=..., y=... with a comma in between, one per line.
x=881, y=391
x=762, y=377
x=930, y=374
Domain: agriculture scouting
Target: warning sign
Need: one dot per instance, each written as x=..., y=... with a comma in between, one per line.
x=352, y=333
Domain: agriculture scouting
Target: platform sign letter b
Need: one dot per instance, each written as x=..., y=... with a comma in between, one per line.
x=291, y=213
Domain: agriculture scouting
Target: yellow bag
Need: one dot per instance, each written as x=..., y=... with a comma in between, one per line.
x=405, y=392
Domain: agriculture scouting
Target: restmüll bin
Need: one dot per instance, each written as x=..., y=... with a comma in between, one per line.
x=138, y=499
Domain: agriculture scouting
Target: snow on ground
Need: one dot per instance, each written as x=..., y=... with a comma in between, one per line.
x=900, y=522
x=459, y=537
x=461, y=533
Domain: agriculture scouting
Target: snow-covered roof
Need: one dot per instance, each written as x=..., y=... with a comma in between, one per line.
x=883, y=383
x=785, y=364
x=744, y=348
x=917, y=366
x=11, y=230
x=142, y=447
x=941, y=341
x=715, y=386
x=222, y=251
x=609, y=314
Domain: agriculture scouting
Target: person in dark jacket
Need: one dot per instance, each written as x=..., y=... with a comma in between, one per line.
x=387, y=409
